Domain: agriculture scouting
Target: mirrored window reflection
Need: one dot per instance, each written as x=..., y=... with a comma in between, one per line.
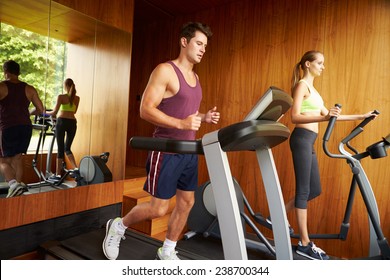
x=42, y=62
x=93, y=55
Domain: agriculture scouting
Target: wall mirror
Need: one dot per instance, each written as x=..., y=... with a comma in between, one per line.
x=78, y=61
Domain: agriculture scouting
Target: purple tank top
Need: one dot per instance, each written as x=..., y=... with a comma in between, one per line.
x=14, y=107
x=184, y=103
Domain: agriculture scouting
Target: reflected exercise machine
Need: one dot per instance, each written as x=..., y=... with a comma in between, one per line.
x=92, y=169
x=45, y=124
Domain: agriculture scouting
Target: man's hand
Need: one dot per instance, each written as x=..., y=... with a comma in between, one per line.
x=192, y=122
x=212, y=116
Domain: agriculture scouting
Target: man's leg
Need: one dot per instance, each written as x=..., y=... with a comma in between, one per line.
x=115, y=228
x=176, y=224
x=7, y=169
x=155, y=208
x=17, y=164
x=178, y=219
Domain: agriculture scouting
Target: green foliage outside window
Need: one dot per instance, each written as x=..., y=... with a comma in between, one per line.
x=42, y=60
x=42, y=63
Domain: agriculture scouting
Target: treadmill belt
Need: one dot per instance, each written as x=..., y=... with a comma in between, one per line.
x=136, y=246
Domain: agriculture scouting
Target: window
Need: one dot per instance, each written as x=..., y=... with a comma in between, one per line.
x=42, y=64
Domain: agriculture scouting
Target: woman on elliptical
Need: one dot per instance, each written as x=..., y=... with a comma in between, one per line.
x=307, y=111
x=66, y=125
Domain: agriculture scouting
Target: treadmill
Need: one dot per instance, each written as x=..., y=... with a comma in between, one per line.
x=258, y=132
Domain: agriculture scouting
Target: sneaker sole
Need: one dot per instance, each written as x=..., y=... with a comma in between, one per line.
x=308, y=256
x=13, y=192
x=108, y=225
x=19, y=191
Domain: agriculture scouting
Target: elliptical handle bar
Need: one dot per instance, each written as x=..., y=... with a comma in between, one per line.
x=359, y=128
x=328, y=132
x=330, y=126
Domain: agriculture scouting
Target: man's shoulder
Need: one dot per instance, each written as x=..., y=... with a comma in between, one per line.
x=30, y=89
x=3, y=85
x=164, y=66
x=164, y=69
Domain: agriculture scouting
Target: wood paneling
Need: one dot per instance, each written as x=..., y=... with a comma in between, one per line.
x=48, y=19
x=28, y=209
x=255, y=45
x=30, y=15
x=111, y=95
x=148, y=55
x=100, y=67
x=97, y=66
x=117, y=13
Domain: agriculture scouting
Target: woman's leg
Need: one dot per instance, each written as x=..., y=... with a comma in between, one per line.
x=70, y=134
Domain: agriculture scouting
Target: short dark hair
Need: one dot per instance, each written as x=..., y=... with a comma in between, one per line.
x=11, y=67
x=188, y=30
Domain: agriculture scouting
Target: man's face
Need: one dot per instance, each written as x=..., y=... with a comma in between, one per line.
x=196, y=47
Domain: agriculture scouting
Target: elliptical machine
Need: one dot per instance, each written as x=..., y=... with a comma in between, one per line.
x=203, y=217
x=46, y=125
x=379, y=245
x=92, y=169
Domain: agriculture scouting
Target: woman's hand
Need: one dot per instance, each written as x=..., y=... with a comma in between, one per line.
x=333, y=112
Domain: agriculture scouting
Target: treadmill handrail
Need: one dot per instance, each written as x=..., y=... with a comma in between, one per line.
x=167, y=145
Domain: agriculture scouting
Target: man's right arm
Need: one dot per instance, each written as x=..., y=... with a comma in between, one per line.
x=154, y=93
x=34, y=98
x=3, y=90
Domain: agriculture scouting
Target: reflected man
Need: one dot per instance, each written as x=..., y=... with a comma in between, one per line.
x=15, y=125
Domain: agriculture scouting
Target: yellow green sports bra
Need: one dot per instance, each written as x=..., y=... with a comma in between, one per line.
x=314, y=102
x=68, y=108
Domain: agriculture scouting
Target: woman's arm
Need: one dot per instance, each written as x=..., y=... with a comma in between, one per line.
x=356, y=117
x=54, y=112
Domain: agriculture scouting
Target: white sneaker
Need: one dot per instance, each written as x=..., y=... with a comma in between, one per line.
x=112, y=240
x=15, y=189
x=173, y=256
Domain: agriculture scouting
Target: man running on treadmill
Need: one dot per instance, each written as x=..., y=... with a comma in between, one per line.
x=171, y=102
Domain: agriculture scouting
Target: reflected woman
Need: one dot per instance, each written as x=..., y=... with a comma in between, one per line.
x=66, y=125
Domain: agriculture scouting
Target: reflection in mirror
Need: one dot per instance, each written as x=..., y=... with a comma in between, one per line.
x=35, y=53
x=95, y=56
x=79, y=33
x=44, y=63
x=29, y=50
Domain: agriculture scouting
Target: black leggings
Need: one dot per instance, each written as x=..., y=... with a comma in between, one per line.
x=307, y=177
x=68, y=126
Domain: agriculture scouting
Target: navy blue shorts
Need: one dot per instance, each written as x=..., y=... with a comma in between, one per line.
x=15, y=140
x=169, y=172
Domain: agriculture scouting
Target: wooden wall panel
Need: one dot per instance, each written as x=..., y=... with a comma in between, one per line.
x=100, y=67
x=28, y=209
x=255, y=45
x=143, y=63
x=80, y=68
x=110, y=99
x=117, y=13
